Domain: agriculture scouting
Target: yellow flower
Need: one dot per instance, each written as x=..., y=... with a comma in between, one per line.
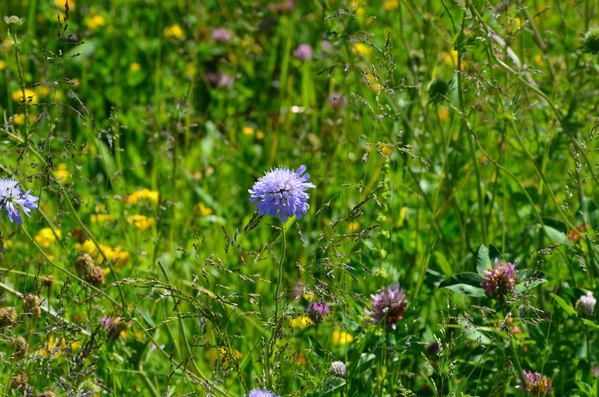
x=538, y=59
x=353, y=227
x=202, y=210
x=53, y=348
x=45, y=237
x=362, y=49
x=390, y=5
x=101, y=218
x=95, y=22
x=135, y=67
x=451, y=59
x=247, y=131
x=87, y=247
x=42, y=90
x=301, y=322
x=174, y=32
x=190, y=70
x=116, y=255
x=340, y=338
x=2, y=64
x=61, y=173
x=443, y=114
x=18, y=119
x=151, y=196
x=260, y=134
x=61, y=4
x=141, y=222
x=30, y=96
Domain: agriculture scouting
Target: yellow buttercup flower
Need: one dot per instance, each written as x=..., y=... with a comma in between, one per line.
x=42, y=90
x=260, y=134
x=53, y=348
x=61, y=4
x=101, y=218
x=301, y=322
x=141, y=222
x=151, y=196
x=2, y=64
x=451, y=59
x=116, y=255
x=247, y=131
x=443, y=114
x=45, y=237
x=362, y=49
x=135, y=67
x=202, y=210
x=61, y=173
x=390, y=5
x=174, y=32
x=95, y=22
x=353, y=227
x=30, y=96
x=340, y=338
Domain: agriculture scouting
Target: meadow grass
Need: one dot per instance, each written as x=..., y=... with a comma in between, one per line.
x=449, y=248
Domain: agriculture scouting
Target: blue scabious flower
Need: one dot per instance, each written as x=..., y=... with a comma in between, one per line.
x=12, y=197
x=261, y=393
x=282, y=192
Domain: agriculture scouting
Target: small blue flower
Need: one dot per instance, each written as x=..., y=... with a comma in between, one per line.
x=261, y=393
x=282, y=192
x=12, y=197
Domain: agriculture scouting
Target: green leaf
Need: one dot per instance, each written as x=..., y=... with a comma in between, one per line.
x=467, y=283
x=529, y=280
x=567, y=307
x=555, y=235
x=483, y=261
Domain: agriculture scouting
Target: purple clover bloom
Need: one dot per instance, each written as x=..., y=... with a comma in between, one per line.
x=500, y=281
x=12, y=197
x=221, y=34
x=261, y=393
x=389, y=305
x=282, y=192
x=586, y=304
x=303, y=52
x=317, y=311
x=536, y=384
x=337, y=100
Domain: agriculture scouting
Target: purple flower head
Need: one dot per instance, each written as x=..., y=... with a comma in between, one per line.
x=337, y=100
x=433, y=348
x=219, y=80
x=261, y=393
x=303, y=52
x=389, y=305
x=338, y=368
x=500, y=281
x=536, y=384
x=221, y=34
x=282, y=192
x=586, y=304
x=317, y=311
x=12, y=197
x=106, y=322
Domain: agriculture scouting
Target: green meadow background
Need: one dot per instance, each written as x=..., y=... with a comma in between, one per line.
x=440, y=135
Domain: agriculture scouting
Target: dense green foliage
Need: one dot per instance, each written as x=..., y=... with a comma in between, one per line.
x=445, y=139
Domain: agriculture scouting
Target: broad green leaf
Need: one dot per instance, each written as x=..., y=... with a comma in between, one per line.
x=555, y=235
x=466, y=283
x=567, y=307
x=483, y=261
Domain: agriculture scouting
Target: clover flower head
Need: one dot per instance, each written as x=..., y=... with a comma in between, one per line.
x=221, y=34
x=303, y=52
x=500, y=281
x=536, y=384
x=317, y=311
x=389, y=305
x=282, y=192
x=338, y=368
x=586, y=304
x=12, y=197
x=261, y=393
